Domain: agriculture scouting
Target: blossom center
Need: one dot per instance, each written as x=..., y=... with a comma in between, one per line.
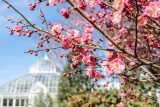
x=117, y=65
x=154, y=9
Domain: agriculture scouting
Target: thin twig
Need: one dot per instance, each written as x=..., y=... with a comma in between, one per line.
x=32, y=25
x=136, y=29
x=44, y=18
x=44, y=49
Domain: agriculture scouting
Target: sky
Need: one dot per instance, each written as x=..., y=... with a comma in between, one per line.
x=13, y=61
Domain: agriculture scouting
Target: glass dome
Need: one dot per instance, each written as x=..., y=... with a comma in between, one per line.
x=45, y=65
x=25, y=83
x=43, y=72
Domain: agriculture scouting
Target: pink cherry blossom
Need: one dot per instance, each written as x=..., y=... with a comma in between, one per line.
x=111, y=55
x=90, y=60
x=117, y=65
x=89, y=30
x=65, y=13
x=91, y=72
x=92, y=3
x=142, y=20
x=81, y=4
x=123, y=32
x=113, y=66
x=101, y=14
x=110, y=45
x=17, y=30
x=153, y=9
x=32, y=6
x=102, y=5
x=66, y=43
x=121, y=104
x=73, y=33
x=105, y=66
x=86, y=39
x=133, y=64
x=116, y=17
x=29, y=33
x=54, y=2
x=123, y=94
x=56, y=28
x=118, y=4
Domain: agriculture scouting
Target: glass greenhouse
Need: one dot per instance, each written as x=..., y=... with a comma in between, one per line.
x=43, y=76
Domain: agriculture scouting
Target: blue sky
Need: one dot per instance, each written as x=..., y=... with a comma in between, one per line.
x=13, y=61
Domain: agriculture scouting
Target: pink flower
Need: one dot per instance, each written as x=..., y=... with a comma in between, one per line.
x=142, y=20
x=17, y=30
x=91, y=72
x=86, y=39
x=121, y=104
x=111, y=55
x=123, y=32
x=32, y=6
x=132, y=64
x=66, y=43
x=110, y=45
x=101, y=14
x=65, y=13
x=73, y=33
x=153, y=9
x=118, y=4
x=117, y=65
x=81, y=4
x=56, y=28
x=92, y=3
x=89, y=30
x=105, y=66
x=116, y=17
x=29, y=33
x=123, y=94
x=102, y=4
x=90, y=60
x=54, y=2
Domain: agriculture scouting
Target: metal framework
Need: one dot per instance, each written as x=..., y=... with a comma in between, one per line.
x=42, y=75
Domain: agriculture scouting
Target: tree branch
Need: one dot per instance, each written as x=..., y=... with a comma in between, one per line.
x=32, y=25
x=143, y=61
x=136, y=29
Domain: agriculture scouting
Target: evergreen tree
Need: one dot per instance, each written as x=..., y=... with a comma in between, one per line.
x=43, y=100
x=73, y=82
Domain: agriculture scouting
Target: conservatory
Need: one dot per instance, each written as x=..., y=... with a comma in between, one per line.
x=43, y=76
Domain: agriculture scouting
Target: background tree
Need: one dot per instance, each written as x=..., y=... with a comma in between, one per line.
x=43, y=100
x=74, y=82
x=137, y=94
x=110, y=98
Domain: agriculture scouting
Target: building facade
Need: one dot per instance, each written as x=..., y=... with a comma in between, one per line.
x=43, y=76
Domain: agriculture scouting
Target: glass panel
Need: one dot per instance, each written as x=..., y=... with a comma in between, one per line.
x=4, y=102
x=10, y=102
x=17, y=102
x=26, y=102
x=22, y=102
